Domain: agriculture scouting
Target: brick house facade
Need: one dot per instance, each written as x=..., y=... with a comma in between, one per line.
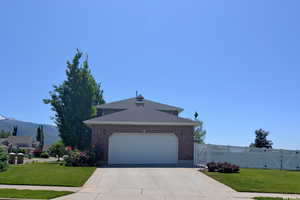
x=150, y=118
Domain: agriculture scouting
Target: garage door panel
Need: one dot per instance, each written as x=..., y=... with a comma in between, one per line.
x=143, y=148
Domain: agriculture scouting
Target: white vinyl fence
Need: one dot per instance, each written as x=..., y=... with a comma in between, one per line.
x=247, y=157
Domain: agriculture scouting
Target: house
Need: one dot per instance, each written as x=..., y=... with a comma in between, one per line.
x=22, y=142
x=140, y=131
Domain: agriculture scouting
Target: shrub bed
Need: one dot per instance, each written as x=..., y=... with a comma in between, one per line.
x=223, y=167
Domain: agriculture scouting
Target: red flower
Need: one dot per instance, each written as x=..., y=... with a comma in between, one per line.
x=69, y=148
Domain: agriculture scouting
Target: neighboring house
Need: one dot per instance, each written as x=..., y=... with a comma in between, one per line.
x=22, y=142
x=140, y=131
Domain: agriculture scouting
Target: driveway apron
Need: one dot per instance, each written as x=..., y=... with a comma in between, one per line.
x=152, y=184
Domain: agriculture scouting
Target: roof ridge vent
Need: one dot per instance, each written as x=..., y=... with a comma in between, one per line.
x=139, y=100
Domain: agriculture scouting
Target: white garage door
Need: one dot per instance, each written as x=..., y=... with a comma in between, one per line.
x=143, y=148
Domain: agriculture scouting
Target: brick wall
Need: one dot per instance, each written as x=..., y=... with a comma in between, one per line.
x=101, y=133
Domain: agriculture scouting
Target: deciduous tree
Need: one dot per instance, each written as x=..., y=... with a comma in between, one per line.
x=199, y=133
x=57, y=150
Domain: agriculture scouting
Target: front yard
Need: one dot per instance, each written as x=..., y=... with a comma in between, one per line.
x=261, y=180
x=50, y=174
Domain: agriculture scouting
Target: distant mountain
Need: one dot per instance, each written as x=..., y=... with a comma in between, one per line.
x=29, y=128
x=3, y=117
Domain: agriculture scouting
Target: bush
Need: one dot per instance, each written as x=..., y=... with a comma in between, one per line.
x=57, y=150
x=222, y=167
x=44, y=155
x=212, y=167
x=77, y=158
x=3, y=160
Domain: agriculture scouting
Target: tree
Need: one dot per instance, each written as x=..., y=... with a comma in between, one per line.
x=15, y=131
x=199, y=133
x=3, y=160
x=74, y=101
x=40, y=136
x=57, y=150
x=4, y=134
x=261, y=140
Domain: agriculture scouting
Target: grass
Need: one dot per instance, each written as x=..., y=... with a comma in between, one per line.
x=31, y=194
x=261, y=180
x=50, y=174
x=272, y=198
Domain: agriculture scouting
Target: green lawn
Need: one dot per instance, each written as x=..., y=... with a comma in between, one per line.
x=31, y=194
x=51, y=174
x=271, y=198
x=261, y=180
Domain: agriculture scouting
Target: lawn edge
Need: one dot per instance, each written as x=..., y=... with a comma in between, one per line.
x=53, y=185
x=246, y=191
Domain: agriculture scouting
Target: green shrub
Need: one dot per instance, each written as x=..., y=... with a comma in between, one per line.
x=3, y=160
x=44, y=155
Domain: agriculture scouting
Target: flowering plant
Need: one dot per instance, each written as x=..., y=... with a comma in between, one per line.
x=79, y=158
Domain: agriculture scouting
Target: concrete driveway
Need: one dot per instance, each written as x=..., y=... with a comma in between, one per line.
x=151, y=184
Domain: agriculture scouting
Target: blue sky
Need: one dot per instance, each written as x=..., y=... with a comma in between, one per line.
x=235, y=62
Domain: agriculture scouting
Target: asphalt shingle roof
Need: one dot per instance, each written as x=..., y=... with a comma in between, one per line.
x=142, y=115
x=20, y=139
x=131, y=103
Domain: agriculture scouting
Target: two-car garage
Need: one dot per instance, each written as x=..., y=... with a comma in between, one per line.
x=143, y=148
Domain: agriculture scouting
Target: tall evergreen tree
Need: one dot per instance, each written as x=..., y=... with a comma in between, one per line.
x=40, y=136
x=15, y=131
x=261, y=140
x=74, y=101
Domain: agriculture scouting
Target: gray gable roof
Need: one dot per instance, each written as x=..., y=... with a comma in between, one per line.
x=20, y=140
x=141, y=116
x=131, y=103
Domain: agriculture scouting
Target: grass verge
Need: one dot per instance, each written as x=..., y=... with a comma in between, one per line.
x=261, y=180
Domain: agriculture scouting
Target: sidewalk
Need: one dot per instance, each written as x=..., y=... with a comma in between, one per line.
x=252, y=194
x=32, y=187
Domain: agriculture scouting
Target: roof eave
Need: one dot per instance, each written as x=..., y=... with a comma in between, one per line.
x=88, y=122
